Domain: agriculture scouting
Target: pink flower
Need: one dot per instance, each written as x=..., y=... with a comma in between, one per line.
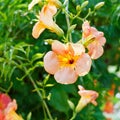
x=87, y=96
x=67, y=62
x=95, y=48
x=8, y=108
x=46, y=21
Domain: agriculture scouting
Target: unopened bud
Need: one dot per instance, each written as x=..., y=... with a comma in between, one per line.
x=78, y=7
x=84, y=4
x=99, y=5
x=57, y=3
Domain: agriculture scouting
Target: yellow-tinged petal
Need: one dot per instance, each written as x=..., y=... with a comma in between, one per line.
x=83, y=64
x=34, y=2
x=38, y=29
x=51, y=62
x=12, y=115
x=56, y=29
x=66, y=75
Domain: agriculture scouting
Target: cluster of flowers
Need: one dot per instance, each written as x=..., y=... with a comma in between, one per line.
x=70, y=60
x=8, y=108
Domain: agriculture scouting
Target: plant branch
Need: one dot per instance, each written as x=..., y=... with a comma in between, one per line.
x=39, y=94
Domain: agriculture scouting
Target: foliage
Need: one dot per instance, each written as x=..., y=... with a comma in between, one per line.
x=22, y=74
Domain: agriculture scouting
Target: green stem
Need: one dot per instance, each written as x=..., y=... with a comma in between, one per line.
x=69, y=36
x=74, y=115
x=40, y=95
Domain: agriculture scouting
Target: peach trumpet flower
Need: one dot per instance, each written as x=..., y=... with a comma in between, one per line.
x=87, y=96
x=95, y=48
x=67, y=62
x=46, y=21
x=8, y=108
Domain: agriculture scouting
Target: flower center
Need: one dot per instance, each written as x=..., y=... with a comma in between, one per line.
x=71, y=61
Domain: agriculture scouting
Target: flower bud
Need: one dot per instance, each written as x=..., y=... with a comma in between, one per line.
x=99, y=5
x=84, y=4
x=78, y=7
x=57, y=3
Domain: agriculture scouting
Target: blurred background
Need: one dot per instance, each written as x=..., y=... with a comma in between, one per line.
x=21, y=58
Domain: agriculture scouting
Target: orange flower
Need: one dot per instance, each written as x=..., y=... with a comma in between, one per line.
x=95, y=47
x=109, y=107
x=67, y=62
x=87, y=96
x=46, y=21
x=8, y=108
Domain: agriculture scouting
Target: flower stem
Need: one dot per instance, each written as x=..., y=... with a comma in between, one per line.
x=39, y=94
x=69, y=36
x=74, y=115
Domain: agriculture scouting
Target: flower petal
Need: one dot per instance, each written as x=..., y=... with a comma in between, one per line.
x=102, y=41
x=4, y=101
x=58, y=47
x=46, y=16
x=86, y=29
x=76, y=48
x=95, y=50
x=47, y=13
x=37, y=29
x=51, y=63
x=66, y=75
x=83, y=64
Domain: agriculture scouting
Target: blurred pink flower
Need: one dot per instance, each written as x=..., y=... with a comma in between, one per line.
x=95, y=48
x=87, y=96
x=67, y=62
x=46, y=21
x=8, y=108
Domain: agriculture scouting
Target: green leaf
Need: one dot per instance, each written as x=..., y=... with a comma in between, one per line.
x=49, y=85
x=59, y=99
x=39, y=64
x=37, y=56
x=71, y=104
x=29, y=116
